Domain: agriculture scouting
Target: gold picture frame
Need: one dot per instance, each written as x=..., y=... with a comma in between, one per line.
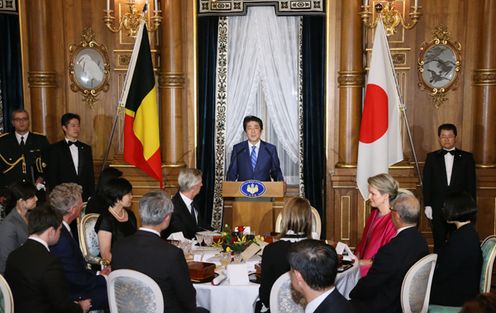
x=439, y=65
x=89, y=68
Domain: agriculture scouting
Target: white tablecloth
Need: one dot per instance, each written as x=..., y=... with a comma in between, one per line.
x=241, y=299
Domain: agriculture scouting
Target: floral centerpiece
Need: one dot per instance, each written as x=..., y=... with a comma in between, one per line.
x=234, y=240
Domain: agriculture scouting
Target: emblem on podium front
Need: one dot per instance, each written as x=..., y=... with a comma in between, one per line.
x=252, y=188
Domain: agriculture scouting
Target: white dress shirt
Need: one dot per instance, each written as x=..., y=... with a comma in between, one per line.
x=18, y=137
x=189, y=203
x=448, y=161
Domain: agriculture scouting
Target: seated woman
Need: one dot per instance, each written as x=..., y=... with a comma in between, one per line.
x=119, y=220
x=296, y=226
x=97, y=203
x=379, y=228
x=458, y=267
x=14, y=228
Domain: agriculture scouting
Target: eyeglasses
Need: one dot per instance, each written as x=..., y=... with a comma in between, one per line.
x=19, y=119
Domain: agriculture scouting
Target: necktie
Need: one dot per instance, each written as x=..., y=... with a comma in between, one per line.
x=452, y=152
x=192, y=207
x=22, y=141
x=253, y=156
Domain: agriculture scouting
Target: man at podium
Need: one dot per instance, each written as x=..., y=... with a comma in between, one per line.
x=254, y=158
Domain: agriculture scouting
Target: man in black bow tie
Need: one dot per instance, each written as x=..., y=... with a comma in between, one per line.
x=446, y=171
x=70, y=160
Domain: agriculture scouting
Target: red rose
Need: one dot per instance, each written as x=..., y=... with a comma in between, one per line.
x=241, y=229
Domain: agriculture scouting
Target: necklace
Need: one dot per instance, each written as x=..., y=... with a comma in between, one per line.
x=118, y=216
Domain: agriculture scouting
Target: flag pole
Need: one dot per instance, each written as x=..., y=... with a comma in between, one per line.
x=407, y=124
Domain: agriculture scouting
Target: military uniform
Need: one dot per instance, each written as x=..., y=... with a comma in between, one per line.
x=22, y=163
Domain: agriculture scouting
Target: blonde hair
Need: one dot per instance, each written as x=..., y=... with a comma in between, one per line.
x=297, y=216
x=385, y=183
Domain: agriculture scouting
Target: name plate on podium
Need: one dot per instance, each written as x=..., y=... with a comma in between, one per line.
x=259, y=215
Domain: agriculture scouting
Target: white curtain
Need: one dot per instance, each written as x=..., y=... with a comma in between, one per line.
x=263, y=80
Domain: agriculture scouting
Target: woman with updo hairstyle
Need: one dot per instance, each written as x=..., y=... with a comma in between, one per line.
x=459, y=263
x=379, y=228
x=14, y=228
x=118, y=221
x=296, y=226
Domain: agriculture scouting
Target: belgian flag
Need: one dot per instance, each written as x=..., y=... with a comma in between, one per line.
x=141, y=122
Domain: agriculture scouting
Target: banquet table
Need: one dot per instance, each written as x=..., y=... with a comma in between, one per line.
x=241, y=299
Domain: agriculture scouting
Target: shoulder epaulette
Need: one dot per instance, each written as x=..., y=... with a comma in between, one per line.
x=37, y=133
x=4, y=134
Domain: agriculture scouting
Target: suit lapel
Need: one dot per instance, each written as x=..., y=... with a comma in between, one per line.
x=67, y=151
x=442, y=166
x=81, y=159
x=457, y=160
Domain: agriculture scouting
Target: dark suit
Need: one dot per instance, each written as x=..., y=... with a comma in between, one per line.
x=147, y=253
x=61, y=167
x=37, y=281
x=83, y=283
x=334, y=303
x=435, y=187
x=458, y=268
x=267, y=166
x=182, y=220
x=380, y=290
x=22, y=163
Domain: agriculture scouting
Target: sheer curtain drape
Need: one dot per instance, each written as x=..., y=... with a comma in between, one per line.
x=263, y=80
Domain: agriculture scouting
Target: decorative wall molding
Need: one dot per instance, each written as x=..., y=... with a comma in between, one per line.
x=42, y=79
x=485, y=77
x=171, y=80
x=239, y=7
x=351, y=79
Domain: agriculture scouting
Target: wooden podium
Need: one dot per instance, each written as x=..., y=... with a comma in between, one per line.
x=256, y=212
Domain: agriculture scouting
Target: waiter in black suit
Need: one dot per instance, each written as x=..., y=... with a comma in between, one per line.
x=34, y=275
x=147, y=253
x=22, y=154
x=70, y=160
x=380, y=290
x=186, y=217
x=446, y=171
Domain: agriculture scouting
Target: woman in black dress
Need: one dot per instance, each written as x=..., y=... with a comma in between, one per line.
x=296, y=226
x=458, y=267
x=119, y=220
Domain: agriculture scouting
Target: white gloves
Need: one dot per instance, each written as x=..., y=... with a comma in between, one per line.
x=428, y=212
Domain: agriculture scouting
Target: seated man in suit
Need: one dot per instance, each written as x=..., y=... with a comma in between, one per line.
x=254, y=158
x=186, y=217
x=380, y=290
x=314, y=266
x=34, y=275
x=83, y=283
x=147, y=253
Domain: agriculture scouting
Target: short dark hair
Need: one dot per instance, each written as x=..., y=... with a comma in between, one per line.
x=116, y=189
x=18, y=111
x=22, y=190
x=107, y=175
x=67, y=117
x=459, y=207
x=251, y=118
x=446, y=126
x=42, y=218
x=316, y=261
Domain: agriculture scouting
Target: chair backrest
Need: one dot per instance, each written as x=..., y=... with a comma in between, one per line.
x=133, y=292
x=283, y=299
x=488, y=248
x=316, y=222
x=416, y=287
x=6, y=300
x=88, y=239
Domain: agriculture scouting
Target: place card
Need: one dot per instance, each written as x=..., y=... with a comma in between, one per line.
x=238, y=274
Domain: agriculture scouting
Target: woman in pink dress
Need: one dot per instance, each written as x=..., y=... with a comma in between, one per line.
x=379, y=228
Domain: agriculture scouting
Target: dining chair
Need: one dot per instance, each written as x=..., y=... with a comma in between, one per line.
x=416, y=287
x=283, y=299
x=316, y=222
x=6, y=299
x=133, y=292
x=88, y=239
